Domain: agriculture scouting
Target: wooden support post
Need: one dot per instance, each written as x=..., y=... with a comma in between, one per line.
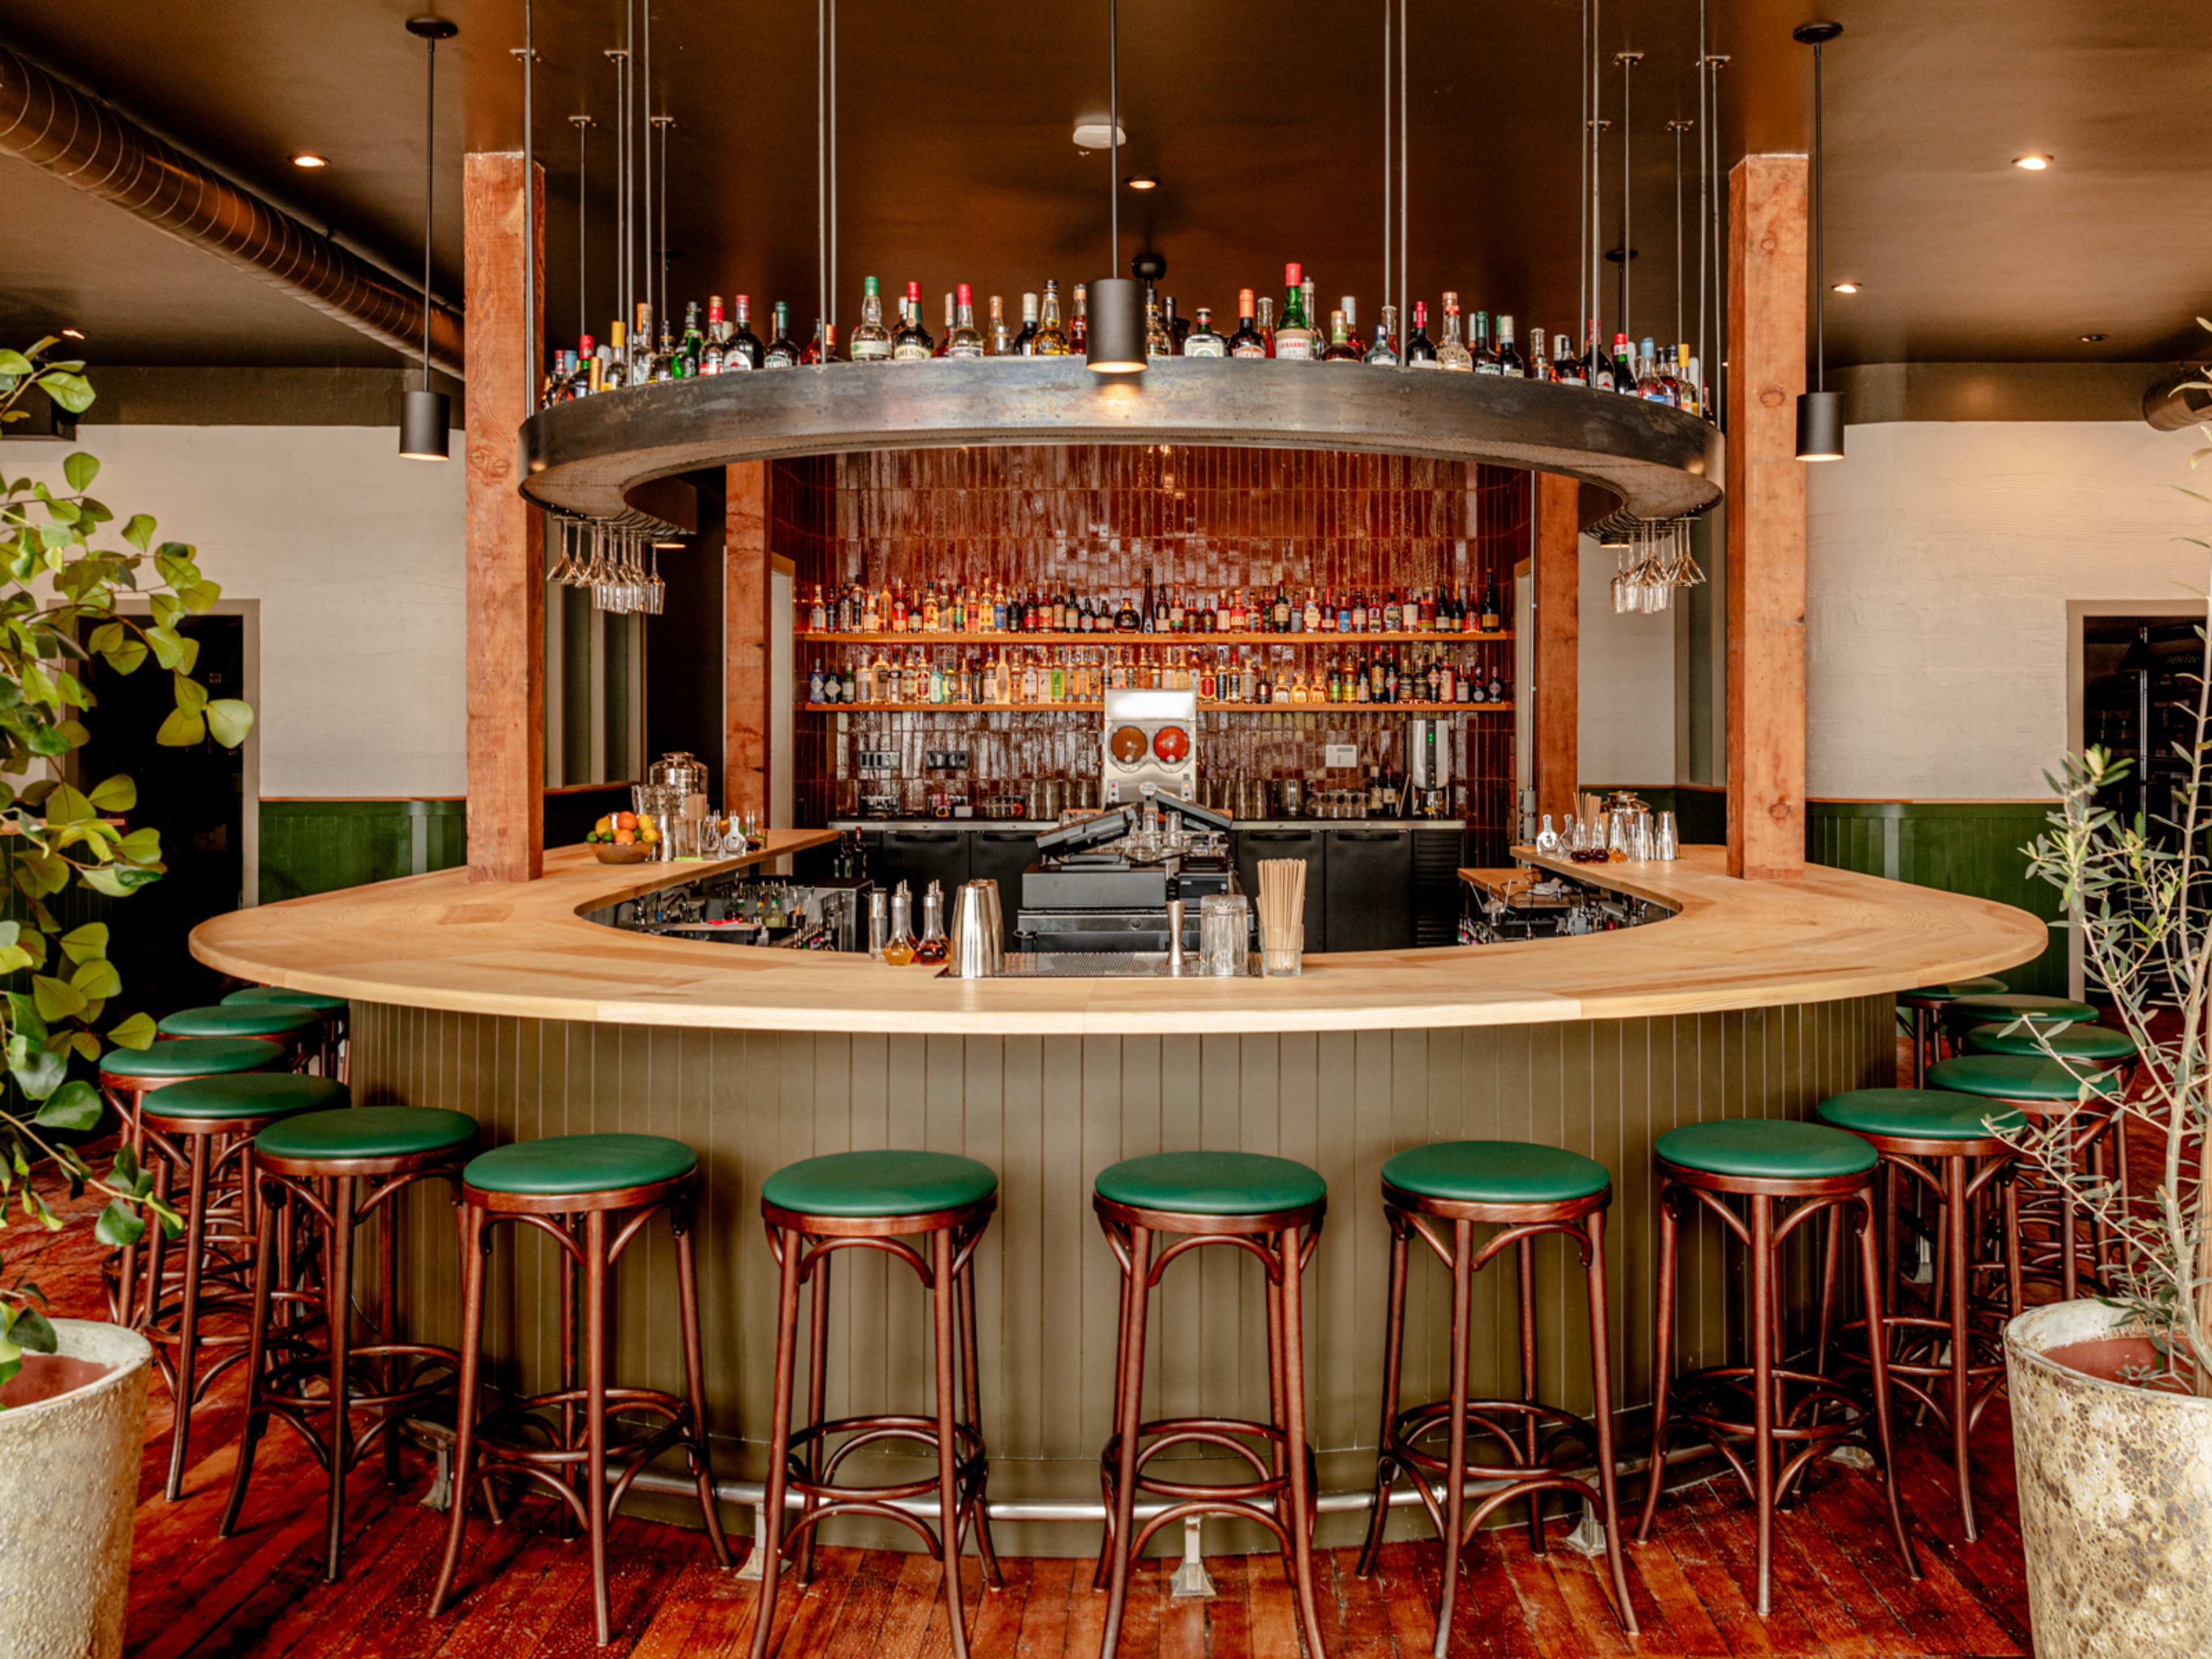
x=1765, y=519
x=506, y=567
x=1558, y=652
x=745, y=641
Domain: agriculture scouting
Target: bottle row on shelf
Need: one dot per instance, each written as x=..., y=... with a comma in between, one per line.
x=724, y=345
x=1076, y=676
x=989, y=607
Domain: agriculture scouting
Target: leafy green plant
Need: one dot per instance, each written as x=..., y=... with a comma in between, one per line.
x=2141, y=902
x=62, y=583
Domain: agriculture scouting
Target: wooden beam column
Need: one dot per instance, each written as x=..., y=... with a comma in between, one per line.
x=1765, y=519
x=745, y=641
x=506, y=571
x=1553, y=740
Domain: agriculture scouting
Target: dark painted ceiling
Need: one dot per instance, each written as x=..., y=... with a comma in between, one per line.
x=1263, y=121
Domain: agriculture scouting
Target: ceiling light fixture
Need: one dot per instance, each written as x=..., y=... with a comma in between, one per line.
x=2091, y=339
x=2031, y=163
x=78, y=334
x=1116, y=344
x=1843, y=287
x=1141, y=181
x=426, y=416
x=308, y=158
x=1820, y=411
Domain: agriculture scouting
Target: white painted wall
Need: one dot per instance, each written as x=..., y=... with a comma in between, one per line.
x=1625, y=729
x=355, y=556
x=1940, y=560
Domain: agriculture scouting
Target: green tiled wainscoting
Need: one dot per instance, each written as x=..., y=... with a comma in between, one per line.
x=316, y=846
x=1961, y=847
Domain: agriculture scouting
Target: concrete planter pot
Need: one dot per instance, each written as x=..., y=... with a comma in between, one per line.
x=69, y=1487
x=2115, y=1498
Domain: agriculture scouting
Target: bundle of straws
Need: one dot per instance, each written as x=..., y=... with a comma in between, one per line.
x=1282, y=903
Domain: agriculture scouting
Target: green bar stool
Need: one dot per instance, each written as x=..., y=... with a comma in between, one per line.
x=297, y=1028
x=1946, y=1144
x=1962, y=1014
x=928, y=1210
x=2057, y=1096
x=337, y=1012
x=197, y=1131
x=327, y=1172
x=1272, y=1207
x=2086, y=1047
x=1440, y=1194
x=126, y=1076
x=1797, y=1417
x=593, y=1195
x=1930, y=1000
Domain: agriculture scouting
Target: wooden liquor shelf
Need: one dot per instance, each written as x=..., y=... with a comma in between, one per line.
x=1088, y=707
x=1399, y=636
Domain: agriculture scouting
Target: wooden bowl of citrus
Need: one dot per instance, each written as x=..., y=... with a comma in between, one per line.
x=623, y=838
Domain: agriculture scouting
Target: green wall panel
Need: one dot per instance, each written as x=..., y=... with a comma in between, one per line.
x=316, y=846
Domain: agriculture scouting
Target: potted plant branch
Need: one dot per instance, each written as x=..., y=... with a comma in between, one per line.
x=2111, y=1396
x=73, y=1391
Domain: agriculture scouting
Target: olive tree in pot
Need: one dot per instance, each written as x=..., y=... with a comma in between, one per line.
x=72, y=1391
x=2111, y=1397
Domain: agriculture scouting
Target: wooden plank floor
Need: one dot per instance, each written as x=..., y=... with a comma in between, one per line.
x=1838, y=1591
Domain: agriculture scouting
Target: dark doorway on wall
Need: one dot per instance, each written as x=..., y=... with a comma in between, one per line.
x=195, y=797
x=2138, y=700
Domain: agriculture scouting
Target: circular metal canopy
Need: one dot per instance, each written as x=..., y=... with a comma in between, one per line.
x=597, y=457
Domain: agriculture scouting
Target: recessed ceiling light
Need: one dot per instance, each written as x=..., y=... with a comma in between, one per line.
x=307, y=158
x=2031, y=163
x=1098, y=135
x=2091, y=339
x=1142, y=181
x=72, y=334
x=1845, y=288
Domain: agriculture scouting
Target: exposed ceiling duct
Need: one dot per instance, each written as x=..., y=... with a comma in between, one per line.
x=2180, y=400
x=52, y=124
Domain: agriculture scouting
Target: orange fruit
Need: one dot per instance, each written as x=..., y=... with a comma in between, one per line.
x=625, y=837
x=625, y=820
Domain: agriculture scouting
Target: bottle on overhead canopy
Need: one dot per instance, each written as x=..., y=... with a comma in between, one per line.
x=1486, y=356
x=1451, y=350
x=1295, y=338
x=744, y=350
x=1025, y=342
x=1384, y=349
x=911, y=343
x=1159, y=342
x=998, y=338
x=1078, y=327
x=1340, y=349
x=1508, y=354
x=718, y=333
x=963, y=339
x=872, y=341
x=1420, y=350
x=1202, y=341
x=1566, y=367
x=1051, y=338
x=1540, y=360
x=1247, y=340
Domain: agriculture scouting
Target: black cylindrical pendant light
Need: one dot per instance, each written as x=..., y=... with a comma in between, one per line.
x=1820, y=411
x=426, y=417
x=1116, y=344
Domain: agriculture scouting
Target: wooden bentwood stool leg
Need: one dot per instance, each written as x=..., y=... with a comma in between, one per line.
x=1282, y=1492
x=546, y=1454
x=1798, y=1432
x=942, y=1254
x=317, y=1390
x=1523, y=1430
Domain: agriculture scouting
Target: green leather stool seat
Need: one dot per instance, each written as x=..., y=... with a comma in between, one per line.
x=315, y=999
x=1495, y=1172
x=2037, y=1010
x=367, y=1132
x=885, y=1183
x=1982, y=986
x=2019, y=1076
x=191, y=1057
x=249, y=1094
x=1921, y=1113
x=1767, y=1149
x=2097, y=1044
x=256, y=1019
x=564, y=1165
x=1212, y=1184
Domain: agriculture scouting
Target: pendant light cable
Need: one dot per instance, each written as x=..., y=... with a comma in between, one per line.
x=533, y=346
x=822, y=173
x=583, y=125
x=1582, y=188
x=1820, y=236
x=1404, y=171
x=1628, y=61
x=1114, y=135
x=429, y=186
x=1705, y=126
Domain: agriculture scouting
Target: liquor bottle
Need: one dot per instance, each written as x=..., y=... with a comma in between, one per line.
x=911, y=343
x=1159, y=342
x=822, y=348
x=1294, y=339
x=1384, y=350
x=1051, y=339
x=872, y=341
x=1025, y=342
x=1267, y=321
x=640, y=347
x=710, y=352
x=998, y=340
x=962, y=339
x=1597, y=364
x=1485, y=358
x=1247, y=340
x=1339, y=341
x=1705, y=402
x=1351, y=326
x=1566, y=367
x=1509, y=356
x=1624, y=366
x=1451, y=350
x=665, y=358
x=1279, y=613
x=1492, y=623
x=1177, y=327
x=1203, y=341
x=1420, y=350
x=1648, y=385
x=1079, y=328
x=1539, y=361
x=1313, y=316
x=744, y=350
x=951, y=322
x=782, y=351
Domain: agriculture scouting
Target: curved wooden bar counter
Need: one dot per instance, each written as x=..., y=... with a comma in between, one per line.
x=1755, y=1000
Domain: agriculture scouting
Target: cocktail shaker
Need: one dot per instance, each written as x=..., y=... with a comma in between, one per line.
x=978, y=946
